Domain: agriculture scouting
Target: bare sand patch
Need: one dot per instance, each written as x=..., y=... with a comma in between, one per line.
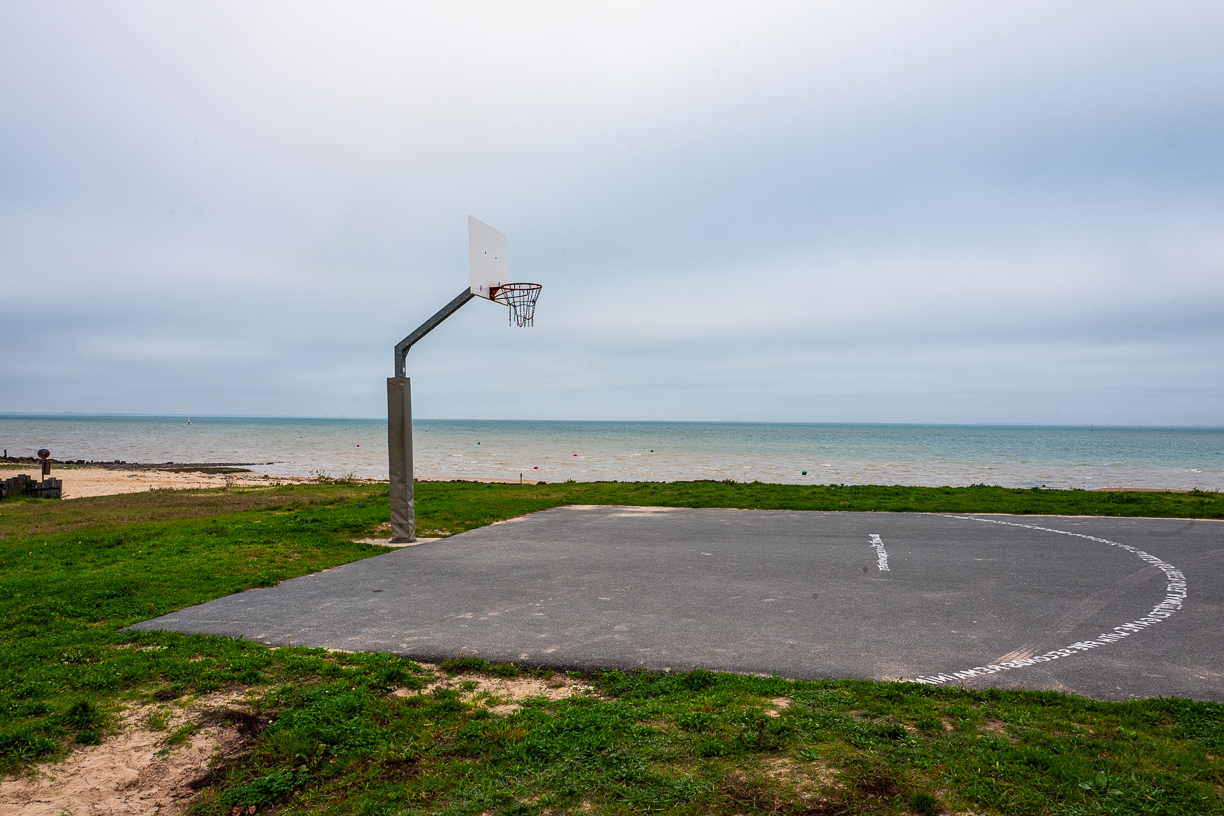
x=382, y=537
x=808, y=779
x=386, y=542
x=135, y=771
x=779, y=704
x=502, y=694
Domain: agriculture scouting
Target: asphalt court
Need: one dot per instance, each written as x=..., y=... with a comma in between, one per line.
x=1110, y=608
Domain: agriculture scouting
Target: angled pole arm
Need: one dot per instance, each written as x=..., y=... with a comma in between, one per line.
x=399, y=428
x=402, y=347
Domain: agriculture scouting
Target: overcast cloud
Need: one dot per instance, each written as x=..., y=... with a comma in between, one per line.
x=888, y=211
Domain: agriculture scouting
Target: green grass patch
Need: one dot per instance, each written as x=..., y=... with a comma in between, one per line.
x=457, y=506
x=72, y=573
x=717, y=743
x=326, y=734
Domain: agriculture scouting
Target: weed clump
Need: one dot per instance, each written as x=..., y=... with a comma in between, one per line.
x=464, y=664
x=506, y=670
x=83, y=714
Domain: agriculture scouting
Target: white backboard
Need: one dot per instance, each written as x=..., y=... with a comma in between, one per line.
x=487, y=254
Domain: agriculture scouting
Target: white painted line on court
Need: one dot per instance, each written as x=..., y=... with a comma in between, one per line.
x=881, y=553
x=1175, y=595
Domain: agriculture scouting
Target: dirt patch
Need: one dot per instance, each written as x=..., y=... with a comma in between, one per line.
x=878, y=784
x=386, y=542
x=779, y=704
x=502, y=693
x=995, y=727
x=807, y=778
x=766, y=797
x=137, y=770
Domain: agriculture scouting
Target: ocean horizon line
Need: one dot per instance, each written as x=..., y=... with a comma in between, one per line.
x=814, y=423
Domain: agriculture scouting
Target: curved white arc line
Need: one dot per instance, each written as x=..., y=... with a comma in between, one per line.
x=1175, y=595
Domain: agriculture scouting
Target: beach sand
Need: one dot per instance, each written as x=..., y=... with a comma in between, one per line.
x=80, y=482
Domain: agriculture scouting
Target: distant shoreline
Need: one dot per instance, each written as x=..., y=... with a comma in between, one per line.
x=779, y=422
x=117, y=464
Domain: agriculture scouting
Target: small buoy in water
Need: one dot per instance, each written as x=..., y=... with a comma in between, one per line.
x=575, y=454
x=535, y=468
x=805, y=473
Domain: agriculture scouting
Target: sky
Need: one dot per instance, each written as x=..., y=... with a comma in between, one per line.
x=932, y=212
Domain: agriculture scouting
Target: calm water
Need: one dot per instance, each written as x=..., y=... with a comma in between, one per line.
x=658, y=451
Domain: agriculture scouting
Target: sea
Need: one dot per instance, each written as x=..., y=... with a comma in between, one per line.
x=511, y=450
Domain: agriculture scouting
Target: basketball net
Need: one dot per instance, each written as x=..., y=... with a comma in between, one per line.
x=521, y=298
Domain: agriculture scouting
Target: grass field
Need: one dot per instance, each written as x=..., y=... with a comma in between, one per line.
x=376, y=734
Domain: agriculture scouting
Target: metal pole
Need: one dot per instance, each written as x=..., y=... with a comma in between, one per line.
x=399, y=427
x=401, y=348
x=399, y=450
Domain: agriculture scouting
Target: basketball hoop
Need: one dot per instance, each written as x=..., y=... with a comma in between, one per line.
x=521, y=298
x=487, y=269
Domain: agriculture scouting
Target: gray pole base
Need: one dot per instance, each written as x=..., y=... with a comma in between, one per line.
x=399, y=450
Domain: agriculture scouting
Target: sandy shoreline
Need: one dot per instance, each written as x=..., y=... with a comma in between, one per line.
x=81, y=482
